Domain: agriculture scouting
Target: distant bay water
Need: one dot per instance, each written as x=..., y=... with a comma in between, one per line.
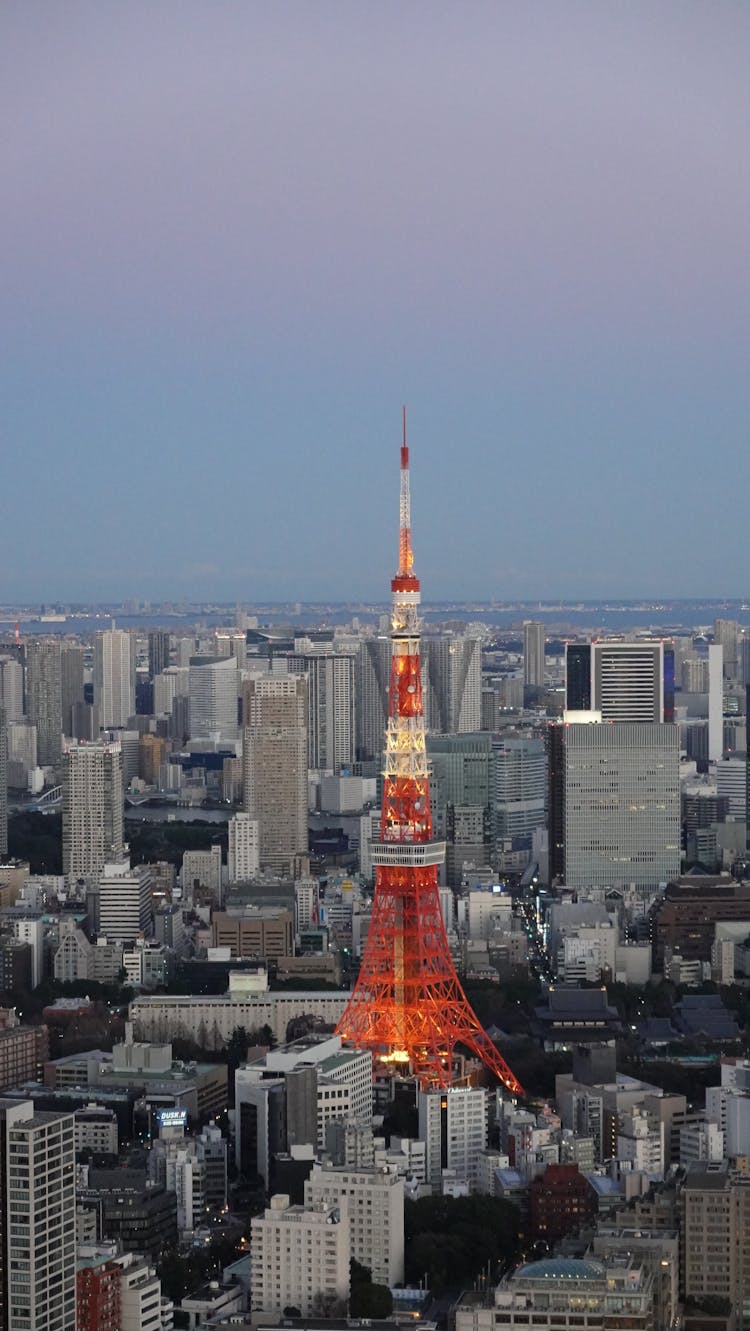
x=613, y=617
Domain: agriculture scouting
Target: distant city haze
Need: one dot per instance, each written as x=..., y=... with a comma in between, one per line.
x=235, y=238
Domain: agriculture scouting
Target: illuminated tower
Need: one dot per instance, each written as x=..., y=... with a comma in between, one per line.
x=408, y=1006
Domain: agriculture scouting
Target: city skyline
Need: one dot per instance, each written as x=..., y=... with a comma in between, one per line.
x=236, y=241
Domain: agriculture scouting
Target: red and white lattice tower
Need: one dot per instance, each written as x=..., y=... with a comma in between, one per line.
x=408, y=1006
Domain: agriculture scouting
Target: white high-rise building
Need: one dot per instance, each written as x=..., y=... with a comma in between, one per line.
x=533, y=653
x=299, y=1258
x=715, y=702
x=331, y=741
x=374, y=1200
x=11, y=687
x=38, y=1232
x=213, y=684
x=306, y=903
x=125, y=906
x=171, y=683
x=275, y=766
x=453, y=1126
x=114, y=677
x=243, y=860
x=731, y=780
x=627, y=680
x=44, y=698
x=92, y=808
x=453, y=679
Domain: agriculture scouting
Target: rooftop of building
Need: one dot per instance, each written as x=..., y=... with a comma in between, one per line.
x=561, y=1268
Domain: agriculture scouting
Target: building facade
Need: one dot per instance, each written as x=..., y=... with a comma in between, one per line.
x=275, y=766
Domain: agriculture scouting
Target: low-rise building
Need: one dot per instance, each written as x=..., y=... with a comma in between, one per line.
x=559, y=1291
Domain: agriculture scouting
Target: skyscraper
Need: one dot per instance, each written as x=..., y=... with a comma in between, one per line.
x=622, y=680
x=454, y=684
x=71, y=684
x=11, y=687
x=243, y=859
x=214, y=683
x=726, y=635
x=38, y=1223
x=114, y=677
x=158, y=652
x=330, y=708
x=92, y=809
x=614, y=803
x=275, y=766
x=371, y=703
x=44, y=699
x=520, y=786
x=533, y=653
x=3, y=784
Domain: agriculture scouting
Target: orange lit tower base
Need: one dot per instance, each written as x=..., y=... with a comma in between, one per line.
x=408, y=1006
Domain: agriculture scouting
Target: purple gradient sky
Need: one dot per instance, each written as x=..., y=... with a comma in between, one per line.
x=234, y=237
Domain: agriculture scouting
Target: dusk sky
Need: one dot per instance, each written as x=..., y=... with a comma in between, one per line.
x=236, y=236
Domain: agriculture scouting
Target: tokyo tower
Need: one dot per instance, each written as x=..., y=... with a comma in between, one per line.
x=408, y=1006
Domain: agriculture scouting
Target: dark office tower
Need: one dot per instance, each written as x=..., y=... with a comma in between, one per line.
x=747, y=767
x=556, y=777
x=3, y=785
x=158, y=652
x=533, y=653
x=71, y=684
x=371, y=702
x=578, y=677
x=44, y=699
x=669, y=682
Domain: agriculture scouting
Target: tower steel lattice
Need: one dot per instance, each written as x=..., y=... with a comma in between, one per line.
x=408, y=1006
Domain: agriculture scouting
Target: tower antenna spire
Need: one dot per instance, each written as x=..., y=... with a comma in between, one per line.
x=405, y=554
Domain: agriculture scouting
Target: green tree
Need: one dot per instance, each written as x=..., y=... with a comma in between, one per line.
x=452, y=1239
x=365, y=1298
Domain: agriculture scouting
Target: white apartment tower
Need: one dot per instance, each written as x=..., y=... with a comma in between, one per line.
x=44, y=698
x=275, y=766
x=374, y=1199
x=299, y=1257
x=244, y=848
x=11, y=687
x=331, y=741
x=38, y=1230
x=92, y=808
x=114, y=677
